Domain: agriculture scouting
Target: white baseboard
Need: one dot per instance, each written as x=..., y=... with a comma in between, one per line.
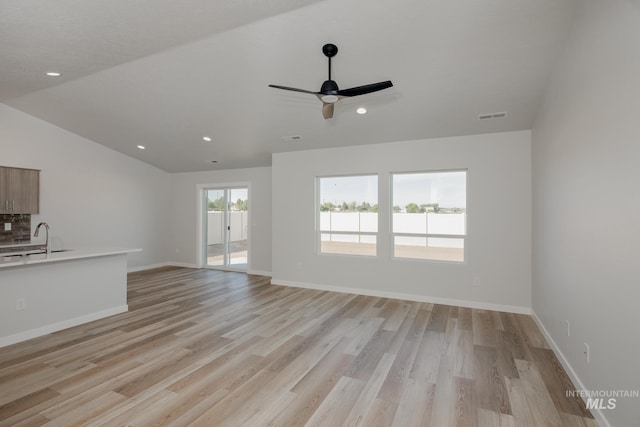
x=54, y=327
x=598, y=414
x=410, y=297
x=186, y=265
x=260, y=273
x=160, y=265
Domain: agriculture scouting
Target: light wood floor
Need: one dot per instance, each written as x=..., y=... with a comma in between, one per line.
x=211, y=348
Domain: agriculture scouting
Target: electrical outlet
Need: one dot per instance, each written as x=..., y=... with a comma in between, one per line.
x=587, y=353
x=476, y=281
x=7, y=226
x=21, y=304
x=568, y=328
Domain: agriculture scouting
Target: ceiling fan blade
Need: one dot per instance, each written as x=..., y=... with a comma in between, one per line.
x=361, y=90
x=293, y=89
x=327, y=110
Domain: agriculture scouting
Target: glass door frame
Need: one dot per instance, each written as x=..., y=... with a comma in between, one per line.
x=202, y=240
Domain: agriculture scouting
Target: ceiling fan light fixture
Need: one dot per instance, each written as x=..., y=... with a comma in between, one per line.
x=329, y=99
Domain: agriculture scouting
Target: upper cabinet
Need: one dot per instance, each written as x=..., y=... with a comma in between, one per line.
x=19, y=191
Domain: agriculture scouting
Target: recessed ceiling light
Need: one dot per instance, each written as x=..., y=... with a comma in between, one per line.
x=53, y=74
x=361, y=110
x=141, y=147
x=207, y=138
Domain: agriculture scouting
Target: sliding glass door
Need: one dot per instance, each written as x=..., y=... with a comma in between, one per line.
x=226, y=227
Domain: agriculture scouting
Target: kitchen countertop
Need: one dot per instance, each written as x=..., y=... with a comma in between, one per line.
x=64, y=255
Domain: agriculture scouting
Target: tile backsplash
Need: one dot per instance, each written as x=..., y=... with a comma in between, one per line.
x=20, y=229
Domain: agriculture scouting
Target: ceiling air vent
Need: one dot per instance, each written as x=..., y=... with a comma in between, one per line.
x=292, y=138
x=492, y=116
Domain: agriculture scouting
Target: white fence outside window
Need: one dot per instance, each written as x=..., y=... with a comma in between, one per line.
x=215, y=226
x=413, y=223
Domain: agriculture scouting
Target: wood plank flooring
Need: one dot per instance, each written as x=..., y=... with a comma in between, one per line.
x=212, y=348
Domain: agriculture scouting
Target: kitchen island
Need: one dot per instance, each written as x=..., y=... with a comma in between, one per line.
x=44, y=293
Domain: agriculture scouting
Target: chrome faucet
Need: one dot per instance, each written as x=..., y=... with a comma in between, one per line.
x=46, y=226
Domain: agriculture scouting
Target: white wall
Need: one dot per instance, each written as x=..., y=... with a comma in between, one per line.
x=184, y=215
x=90, y=195
x=499, y=221
x=586, y=202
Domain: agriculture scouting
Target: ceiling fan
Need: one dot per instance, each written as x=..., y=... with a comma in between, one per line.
x=329, y=92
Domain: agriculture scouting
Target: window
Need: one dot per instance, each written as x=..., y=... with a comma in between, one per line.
x=429, y=215
x=348, y=215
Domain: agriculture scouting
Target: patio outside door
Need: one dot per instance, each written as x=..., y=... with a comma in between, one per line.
x=226, y=226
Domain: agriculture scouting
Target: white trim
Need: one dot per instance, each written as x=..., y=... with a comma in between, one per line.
x=44, y=330
x=160, y=265
x=201, y=190
x=196, y=266
x=409, y=297
x=259, y=273
x=597, y=413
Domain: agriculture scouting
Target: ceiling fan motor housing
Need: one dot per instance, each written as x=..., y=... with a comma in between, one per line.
x=329, y=87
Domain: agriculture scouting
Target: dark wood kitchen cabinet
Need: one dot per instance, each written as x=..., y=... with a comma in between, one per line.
x=19, y=191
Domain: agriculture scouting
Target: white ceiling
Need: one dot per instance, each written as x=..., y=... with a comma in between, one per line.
x=163, y=73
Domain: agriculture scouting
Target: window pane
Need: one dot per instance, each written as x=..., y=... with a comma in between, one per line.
x=430, y=203
x=215, y=227
x=348, y=244
x=348, y=208
x=432, y=207
x=356, y=196
x=429, y=248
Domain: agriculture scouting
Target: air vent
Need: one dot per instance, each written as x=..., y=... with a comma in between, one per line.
x=292, y=138
x=492, y=116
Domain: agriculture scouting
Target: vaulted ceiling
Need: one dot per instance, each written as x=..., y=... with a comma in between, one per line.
x=163, y=74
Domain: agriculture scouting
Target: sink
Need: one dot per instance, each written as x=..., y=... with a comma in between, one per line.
x=16, y=250
x=23, y=253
